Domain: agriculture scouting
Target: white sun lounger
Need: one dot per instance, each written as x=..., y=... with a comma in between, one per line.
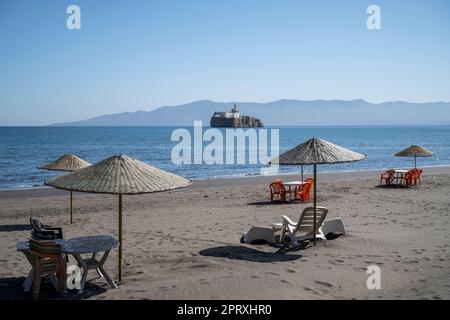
x=303, y=229
x=256, y=234
x=334, y=227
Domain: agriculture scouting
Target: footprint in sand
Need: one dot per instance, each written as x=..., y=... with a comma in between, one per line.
x=323, y=283
x=290, y=271
x=335, y=262
x=310, y=290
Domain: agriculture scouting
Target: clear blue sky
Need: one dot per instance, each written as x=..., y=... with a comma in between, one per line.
x=138, y=55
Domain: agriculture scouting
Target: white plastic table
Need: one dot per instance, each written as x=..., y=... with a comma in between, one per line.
x=399, y=174
x=91, y=245
x=292, y=184
x=77, y=247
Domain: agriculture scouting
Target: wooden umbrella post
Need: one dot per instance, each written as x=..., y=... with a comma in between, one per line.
x=302, y=172
x=415, y=162
x=71, y=207
x=315, y=202
x=120, y=237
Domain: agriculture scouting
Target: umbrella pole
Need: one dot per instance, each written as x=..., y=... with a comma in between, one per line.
x=71, y=206
x=120, y=237
x=415, y=162
x=302, y=172
x=315, y=202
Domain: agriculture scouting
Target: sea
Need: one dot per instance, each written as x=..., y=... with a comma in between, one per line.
x=24, y=148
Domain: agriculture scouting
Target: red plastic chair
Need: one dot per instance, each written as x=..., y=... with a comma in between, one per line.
x=409, y=177
x=419, y=175
x=304, y=194
x=310, y=180
x=388, y=176
x=277, y=189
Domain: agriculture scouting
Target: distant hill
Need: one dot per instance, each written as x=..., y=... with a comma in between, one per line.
x=285, y=113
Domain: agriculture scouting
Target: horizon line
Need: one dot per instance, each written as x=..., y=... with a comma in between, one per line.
x=191, y=126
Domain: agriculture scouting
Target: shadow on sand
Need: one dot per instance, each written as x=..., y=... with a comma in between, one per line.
x=391, y=186
x=11, y=289
x=15, y=227
x=248, y=254
x=268, y=203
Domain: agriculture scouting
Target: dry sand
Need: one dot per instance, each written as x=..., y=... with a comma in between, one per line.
x=184, y=244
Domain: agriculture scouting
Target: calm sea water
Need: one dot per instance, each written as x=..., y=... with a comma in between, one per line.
x=23, y=148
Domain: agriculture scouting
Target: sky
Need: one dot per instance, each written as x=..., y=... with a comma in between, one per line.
x=139, y=55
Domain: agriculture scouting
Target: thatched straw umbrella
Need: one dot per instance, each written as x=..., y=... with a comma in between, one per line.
x=414, y=151
x=67, y=162
x=119, y=175
x=317, y=151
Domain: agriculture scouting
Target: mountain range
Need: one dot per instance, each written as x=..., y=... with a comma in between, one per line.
x=285, y=113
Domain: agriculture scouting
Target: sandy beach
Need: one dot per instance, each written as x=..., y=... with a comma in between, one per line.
x=184, y=244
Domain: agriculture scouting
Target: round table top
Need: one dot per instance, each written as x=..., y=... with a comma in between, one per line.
x=80, y=245
x=90, y=244
x=293, y=183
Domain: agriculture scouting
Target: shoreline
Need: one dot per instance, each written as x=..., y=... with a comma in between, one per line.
x=225, y=182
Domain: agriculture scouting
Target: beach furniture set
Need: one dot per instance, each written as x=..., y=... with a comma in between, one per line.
x=316, y=152
x=402, y=177
x=410, y=177
x=297, y=190
x=311, y=223
x=46, y=256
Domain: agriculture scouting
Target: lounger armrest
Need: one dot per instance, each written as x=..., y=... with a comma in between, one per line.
x=288, y=221
x=277, y=226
